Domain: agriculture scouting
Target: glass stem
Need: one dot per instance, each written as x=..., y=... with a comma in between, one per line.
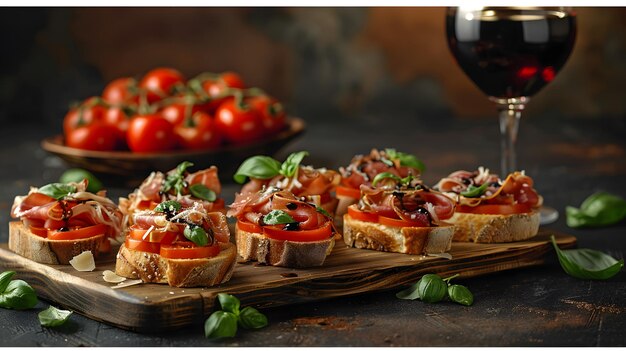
x=510, y=111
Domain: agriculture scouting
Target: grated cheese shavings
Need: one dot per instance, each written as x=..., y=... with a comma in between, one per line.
x=84, y=262
x=127, y=283
x=111, y=277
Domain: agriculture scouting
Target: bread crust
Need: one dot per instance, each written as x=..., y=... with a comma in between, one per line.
x=153, y=268
x=23, y=242
x=494, y=228
x=408, y=240
x=283, y=253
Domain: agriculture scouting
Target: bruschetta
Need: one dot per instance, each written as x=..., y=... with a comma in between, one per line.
x=492, y=210
x=61, y=220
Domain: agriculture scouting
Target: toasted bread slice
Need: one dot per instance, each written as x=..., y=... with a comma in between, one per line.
x=495, y=228
x=284, y=253
x=153, y=268
x=408, y=240
x=42, y=250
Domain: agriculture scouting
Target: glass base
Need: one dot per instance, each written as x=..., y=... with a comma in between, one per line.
x=548, y=215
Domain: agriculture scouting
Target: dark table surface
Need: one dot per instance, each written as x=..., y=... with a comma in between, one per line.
x=569, y=160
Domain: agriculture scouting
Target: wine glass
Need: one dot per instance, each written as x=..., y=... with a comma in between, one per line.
x=511, y=53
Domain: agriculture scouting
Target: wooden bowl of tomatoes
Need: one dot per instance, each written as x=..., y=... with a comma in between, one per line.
x=140, y=125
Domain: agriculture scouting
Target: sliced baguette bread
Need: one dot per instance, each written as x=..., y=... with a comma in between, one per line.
x=23, y=242
x=494, y=228
x=153, y=268
x=284, y=253
x=408, y=240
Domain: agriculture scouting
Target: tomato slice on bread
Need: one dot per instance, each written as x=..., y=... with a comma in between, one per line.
x=348, y=192
x=495, y=209
x=80, y=233
x=384, y=220
x=178, y=251
x=277, y=232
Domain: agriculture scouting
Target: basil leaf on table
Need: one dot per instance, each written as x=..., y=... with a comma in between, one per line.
x=291, y=164
x=5, y=278
x=53, y=317
x=278, y=217
x=460, y=294
x=260, y=167
x=431, y=288
x=599, y=209
x=57, y=190
x=202, y=192
x=221, y=324
x=18, y=295
x=409, y=294
x=587, y=263
x=406, y=160
x=197, y=235
x=229, y=303
x=250, y=318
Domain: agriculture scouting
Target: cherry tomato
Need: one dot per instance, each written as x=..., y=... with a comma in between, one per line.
x=177, y=112
x=150, y=133
x=271, y=111
x=95, y=136
x=198, y=132
x=121, y=90
x=238, y=124
x=116, y=117
x=159, y=83
x=215, y=88
x=89, y=111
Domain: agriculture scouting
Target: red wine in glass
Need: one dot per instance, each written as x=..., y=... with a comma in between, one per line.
x=510, y=53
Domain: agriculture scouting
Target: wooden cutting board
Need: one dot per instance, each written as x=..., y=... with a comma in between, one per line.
x=347, y=271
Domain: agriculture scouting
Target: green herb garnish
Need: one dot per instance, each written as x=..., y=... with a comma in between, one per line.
x=387, y=175
x=278, y=217
x=53, y=317
x=16, y=294
x=202, y=192
x=176, y=180
x=475, y=191
x=265, y=167
x=197, y=235
x=599, y=209
x=587, y=263
x=432, y=288
x=169, y=206
x=76, y=175
x=57, y=190
x=223, y=324
x=406, y=160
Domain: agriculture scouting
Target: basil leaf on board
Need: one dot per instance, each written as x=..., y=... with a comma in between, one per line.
x=260, y=167
x=291, y=164
x=57, y=190
x=197, y=235
x=77, y=175
x=170, y=206
x=53, y=317
x=229, y=303
x=587, y=263
x=385, y=175
x=220, y=324
x=431, y=288
x=5, y=278
x=409, y=294
x=460, y=294
x=278, y=217
x=475, y=191
x=202, y=192
x=406, y=160
x=18, y=296
x=599, y=209
x=250, y=318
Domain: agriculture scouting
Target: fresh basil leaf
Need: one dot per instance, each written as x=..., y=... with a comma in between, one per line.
x=76, y=175
x=460, y=294
x=182, y=167
x=291, y=164
x=197, y=235
x=409, y=294
x=406, y=160
x=18, y=296
x=431, y=288
x=176, y=179
x=385, y=175
x=5, y=278
x=220, y=324
x=57, y=190
x=229, y=303
x=322, y=211
x=475, y=191
x=170, y=206
x=587, y=263
x=278, y=217
x=202, y=192
x=53, y=317
x=250, y=318
x=260, y=167
x=599, y=209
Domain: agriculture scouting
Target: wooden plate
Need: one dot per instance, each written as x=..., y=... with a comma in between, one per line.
x=130, y=168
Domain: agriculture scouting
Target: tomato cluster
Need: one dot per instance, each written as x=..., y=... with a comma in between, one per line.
x=164, y=111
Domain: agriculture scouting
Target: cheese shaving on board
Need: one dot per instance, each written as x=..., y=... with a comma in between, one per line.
x=83, y=262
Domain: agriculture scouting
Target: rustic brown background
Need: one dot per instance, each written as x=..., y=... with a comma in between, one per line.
x=323, y=62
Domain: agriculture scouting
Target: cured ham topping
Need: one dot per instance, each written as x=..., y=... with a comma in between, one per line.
x=482, y=187
x=363, y=168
